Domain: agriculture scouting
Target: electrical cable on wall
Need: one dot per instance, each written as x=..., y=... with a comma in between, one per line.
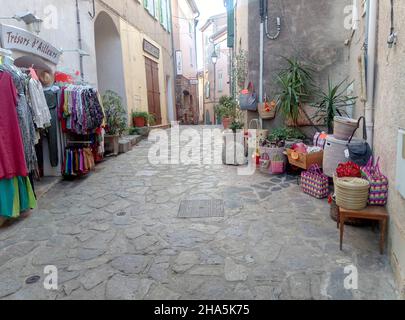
x=264, y=12
x=393, y=37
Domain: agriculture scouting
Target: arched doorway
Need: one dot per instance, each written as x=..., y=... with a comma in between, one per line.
x=110, y=66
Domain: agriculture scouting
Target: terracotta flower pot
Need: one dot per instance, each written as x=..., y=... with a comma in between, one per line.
x=139, y=122
x=226, y=122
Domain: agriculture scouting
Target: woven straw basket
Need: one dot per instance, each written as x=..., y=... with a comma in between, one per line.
x=351, y=193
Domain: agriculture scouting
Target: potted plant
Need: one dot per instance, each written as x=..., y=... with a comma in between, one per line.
x=233, y=139
x=116, y=120
x=295, y=83
x=142, y=119
x=227, y=111
x=282, y=136
x=277, y=164
x=332, y=103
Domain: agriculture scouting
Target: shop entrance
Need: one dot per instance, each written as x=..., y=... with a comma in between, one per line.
x=152, y=82
x=110, y=70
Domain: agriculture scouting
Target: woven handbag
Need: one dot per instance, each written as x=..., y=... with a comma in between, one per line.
x=267, y=110
x=315, y=183
x=378, y=183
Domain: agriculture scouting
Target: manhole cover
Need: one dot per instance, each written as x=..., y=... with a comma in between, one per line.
x=202, y=209
x=32, y=280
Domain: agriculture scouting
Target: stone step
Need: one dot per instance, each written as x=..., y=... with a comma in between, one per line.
x=125, y=145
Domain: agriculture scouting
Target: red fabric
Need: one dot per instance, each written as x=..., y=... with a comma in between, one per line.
x=12, y=159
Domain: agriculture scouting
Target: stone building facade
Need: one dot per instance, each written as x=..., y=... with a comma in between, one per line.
x=310, y=32
x=185, y=21
x=335, y=39
x=124, y=46
x=386, y=108
x=216, y=78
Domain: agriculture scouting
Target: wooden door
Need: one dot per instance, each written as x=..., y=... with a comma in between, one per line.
x=152, y=82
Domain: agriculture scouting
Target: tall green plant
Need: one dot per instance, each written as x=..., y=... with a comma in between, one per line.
x=296, y=83
x=332, y=103
x=115, y=113
x=241, y=68
x=227, y=108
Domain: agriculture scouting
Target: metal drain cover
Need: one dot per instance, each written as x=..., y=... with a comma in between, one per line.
x=33, y=279
x=202, y=209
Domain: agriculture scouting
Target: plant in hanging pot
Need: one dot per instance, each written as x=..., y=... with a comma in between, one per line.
x=333, y=103
x=295, y=89
x=116, y=120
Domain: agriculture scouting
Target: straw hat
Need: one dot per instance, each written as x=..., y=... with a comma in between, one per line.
x=46, y=78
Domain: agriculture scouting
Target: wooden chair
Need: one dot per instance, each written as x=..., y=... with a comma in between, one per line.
x=379, y=214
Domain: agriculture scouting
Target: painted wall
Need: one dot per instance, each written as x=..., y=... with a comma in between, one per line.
x=312, y=31
x=110, y=57
x=60, y=29
x=134, y=70
x=184, y=40
x=389, y=114
x=135, y=24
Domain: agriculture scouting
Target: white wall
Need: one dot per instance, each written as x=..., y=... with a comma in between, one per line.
x=60, y=29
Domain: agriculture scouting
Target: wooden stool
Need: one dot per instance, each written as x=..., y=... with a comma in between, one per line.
x=370, y=213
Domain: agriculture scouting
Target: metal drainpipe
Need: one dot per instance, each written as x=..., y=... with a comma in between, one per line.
x=196, y=61
x=371, y=53
x=79, y=32
x=174, y=85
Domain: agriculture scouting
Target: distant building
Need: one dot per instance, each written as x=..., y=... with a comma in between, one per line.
x=185, y=15
x=216, y=77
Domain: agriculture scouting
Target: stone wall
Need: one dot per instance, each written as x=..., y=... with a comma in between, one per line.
x=312, y=31
x=389, y=115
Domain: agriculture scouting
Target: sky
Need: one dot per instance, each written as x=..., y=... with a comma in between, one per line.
x=207, y=8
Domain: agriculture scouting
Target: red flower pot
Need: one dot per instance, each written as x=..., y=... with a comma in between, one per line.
x=139, y=122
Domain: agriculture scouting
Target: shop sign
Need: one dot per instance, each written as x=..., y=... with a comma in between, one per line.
x=14, y=38
x=151, y=49
x=179, y=63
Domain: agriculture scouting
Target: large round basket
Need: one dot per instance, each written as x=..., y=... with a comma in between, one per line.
x=351, y=193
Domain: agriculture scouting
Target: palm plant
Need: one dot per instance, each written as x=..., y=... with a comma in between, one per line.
x=296, y=83
x=332, y=103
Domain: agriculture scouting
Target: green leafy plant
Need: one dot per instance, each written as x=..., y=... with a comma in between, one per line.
x=332, y=103
x=283, y=134
x=277, y=158
x=133, y=131
x=241, y=68
x=296, y=83
x=236, y=125
x=115, y=112
x=227, y=108
x=150, y=119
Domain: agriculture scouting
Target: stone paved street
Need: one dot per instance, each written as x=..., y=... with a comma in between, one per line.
x=116, y=235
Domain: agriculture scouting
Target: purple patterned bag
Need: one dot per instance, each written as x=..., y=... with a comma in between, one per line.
x=378, y=183
x=315, y=183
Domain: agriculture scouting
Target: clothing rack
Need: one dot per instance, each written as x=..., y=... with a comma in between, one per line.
x=79, y=142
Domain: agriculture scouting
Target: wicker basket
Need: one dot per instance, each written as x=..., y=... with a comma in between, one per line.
x=351, y=193
x=267, y=110
x=344, y=128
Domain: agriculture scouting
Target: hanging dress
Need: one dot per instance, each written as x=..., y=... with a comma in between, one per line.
x=16, y=194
